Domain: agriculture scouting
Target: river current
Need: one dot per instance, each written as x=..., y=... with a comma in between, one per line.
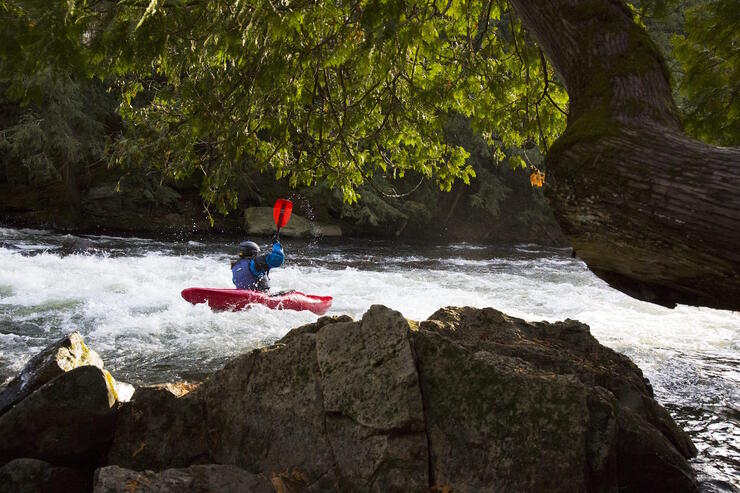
x=123, y=295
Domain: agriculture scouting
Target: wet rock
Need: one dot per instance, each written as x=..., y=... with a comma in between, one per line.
x=74, y=244
x=36, y=476
x=259, y=221
x=469, y=400
x=69, y=420
x=207, y=478
x=64, y=355
x=177, y=389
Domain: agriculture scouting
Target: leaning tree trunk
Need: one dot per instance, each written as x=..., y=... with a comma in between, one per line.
x=651, y=211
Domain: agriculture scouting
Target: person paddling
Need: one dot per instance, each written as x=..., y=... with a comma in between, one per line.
x=251, y=270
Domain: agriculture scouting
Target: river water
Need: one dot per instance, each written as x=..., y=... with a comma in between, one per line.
x=124, y=297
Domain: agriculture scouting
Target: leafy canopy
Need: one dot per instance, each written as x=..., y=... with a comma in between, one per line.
x=308, y=90
x=709, y=54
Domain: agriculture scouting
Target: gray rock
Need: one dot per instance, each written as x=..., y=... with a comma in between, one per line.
x=69, y=420
x=259, y=221
x=264, y=412
x=157, y=430
x=103, y=192
x=469, y=400
x=207, y=478
x=504, y=396
x=36, y=476
x=62, y=356
x=496, y=420
x=372, y=402
x=75, y=244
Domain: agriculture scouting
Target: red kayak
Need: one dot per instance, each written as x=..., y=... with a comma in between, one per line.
x=241, y=299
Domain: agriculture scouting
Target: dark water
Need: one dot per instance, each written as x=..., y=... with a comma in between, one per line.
x=123, y=296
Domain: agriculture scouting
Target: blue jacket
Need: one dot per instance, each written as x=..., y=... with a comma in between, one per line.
x=251, y=273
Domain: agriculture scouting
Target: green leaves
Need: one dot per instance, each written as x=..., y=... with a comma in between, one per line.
x=709, y=55
x=311, y=92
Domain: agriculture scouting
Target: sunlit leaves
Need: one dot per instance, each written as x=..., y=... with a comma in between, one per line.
x=312, y=92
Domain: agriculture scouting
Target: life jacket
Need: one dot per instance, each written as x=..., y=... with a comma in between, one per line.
x=245, y=277
x=253, y=273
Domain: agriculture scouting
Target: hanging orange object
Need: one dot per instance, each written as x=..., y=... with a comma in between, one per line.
x=537, y=178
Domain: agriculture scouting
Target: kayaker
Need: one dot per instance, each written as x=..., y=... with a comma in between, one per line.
x=251, y=270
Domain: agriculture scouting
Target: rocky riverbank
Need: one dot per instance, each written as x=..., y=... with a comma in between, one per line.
x=468, y=400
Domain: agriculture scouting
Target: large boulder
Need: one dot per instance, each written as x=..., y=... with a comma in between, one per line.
x=339, y=408
x=540, y=406
x=207, y=478
x=259, y=221
x=68, y=421
x=469, y=400
x=62, y=356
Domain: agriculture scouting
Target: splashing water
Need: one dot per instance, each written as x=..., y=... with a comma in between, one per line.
x=124, y=297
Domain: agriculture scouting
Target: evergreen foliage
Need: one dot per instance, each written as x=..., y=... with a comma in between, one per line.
x=309, y=91
x=709, y=54
x=352, y=94
x=57, y=133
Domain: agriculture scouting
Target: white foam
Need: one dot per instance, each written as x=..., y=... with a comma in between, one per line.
x=128, y=306
x=135, y=301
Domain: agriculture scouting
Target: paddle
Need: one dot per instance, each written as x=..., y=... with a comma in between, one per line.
x=281, y=214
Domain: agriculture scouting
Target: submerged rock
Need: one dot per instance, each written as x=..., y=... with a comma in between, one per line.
x=74, y=244
x=469, y=400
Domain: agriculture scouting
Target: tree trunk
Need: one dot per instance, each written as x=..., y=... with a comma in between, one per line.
x=651, y=211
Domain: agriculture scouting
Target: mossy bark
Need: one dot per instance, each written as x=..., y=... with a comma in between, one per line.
x=650, y=210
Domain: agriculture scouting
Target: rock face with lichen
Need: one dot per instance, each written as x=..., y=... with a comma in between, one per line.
x=468, y=400
x=541, y=407
x=61, y=408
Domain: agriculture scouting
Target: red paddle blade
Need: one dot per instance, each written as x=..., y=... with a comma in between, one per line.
x=281, y=212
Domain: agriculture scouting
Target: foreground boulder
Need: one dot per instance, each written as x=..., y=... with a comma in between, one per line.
x=469, y=400
x=68, y=421
x=541, y=407
x=64, y=355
